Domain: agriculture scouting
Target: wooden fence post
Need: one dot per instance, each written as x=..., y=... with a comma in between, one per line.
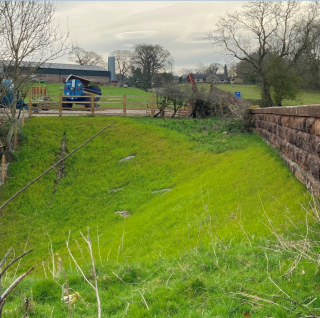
x=92, y=104
x=15, y=137
x=30, y=104
x=60, y=105
x=152, y=106
x=124, y=105
x=22, y=123
x=3, y=168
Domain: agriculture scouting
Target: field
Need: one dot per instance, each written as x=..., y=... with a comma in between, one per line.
x=197, y=193
x=54, y=89
x=252, y=92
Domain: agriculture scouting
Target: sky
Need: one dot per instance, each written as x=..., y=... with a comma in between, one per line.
x=179, y=26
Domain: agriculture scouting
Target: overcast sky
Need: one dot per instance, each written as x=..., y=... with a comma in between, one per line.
x=179, y=26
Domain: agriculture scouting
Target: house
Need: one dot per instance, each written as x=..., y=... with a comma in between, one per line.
x=236, y=80
x=175, y=78
x=217, y=79
x=211, y=78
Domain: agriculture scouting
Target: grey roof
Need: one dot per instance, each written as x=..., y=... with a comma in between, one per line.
x=205, y=76
x=221, y=76
x=72, y=66
x=60, y=66
x=200, y=76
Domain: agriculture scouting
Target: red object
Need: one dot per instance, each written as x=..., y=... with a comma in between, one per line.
x=194, y=86
x=246, y=314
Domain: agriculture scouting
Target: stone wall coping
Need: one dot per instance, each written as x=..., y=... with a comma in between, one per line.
x=312, y=110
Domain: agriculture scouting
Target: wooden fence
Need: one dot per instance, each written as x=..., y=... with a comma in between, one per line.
x=46, y=105
x=125, y=105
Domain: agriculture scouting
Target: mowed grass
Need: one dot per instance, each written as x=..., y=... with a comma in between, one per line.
x=253, y=92
x=210, y=174
x=142, y=98
x=186, y=250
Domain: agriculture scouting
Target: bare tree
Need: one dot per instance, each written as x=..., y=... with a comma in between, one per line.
x=201, y=68
x=213, y=68
x=29, y=38
x=280, y=27
x=173, y=96
x=186, y=71
x=123, y=62
x=232, y=67
x=4, y=266
x=151, y=59
x=80, y=56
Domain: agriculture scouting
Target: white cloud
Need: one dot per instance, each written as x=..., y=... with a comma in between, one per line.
x=135, y=35
x=179, y=26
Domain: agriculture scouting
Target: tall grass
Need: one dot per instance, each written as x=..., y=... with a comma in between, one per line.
x=202, y=247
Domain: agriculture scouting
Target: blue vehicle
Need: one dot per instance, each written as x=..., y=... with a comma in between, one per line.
x=6, y=95
x=77, y=90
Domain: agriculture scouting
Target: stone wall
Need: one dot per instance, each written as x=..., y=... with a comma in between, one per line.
x=296, y=132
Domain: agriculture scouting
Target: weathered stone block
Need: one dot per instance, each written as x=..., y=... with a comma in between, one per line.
x=302, y=158
x=291, y=136
x=278, y=119
x=281, y=131
x=309, y=129
x=285, y=121
x=313, y=164
x=303, y=141
x=292, y=152
x=298, y=123
x=317, y=127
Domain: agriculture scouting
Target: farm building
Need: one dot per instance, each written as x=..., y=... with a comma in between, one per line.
x=55, y=72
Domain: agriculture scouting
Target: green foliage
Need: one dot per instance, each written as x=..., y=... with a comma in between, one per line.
x=283, y=80
x=203, y=282
x=47, y=290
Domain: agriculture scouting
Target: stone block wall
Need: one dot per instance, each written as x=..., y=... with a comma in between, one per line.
x=296, y=132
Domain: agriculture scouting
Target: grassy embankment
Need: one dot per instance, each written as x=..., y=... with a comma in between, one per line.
x=185, y=250
x=54, y=89
x=253, y=92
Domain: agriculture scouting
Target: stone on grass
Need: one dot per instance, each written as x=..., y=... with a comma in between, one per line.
x=122, y=213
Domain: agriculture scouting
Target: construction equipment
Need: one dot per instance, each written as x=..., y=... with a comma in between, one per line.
x=194, y=86
x=77, y=91
x=7, y=93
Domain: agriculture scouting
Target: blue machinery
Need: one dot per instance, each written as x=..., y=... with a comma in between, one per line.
x=77, y=90
x=6, y=95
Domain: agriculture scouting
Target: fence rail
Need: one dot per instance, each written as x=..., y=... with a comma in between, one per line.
x=45, y=105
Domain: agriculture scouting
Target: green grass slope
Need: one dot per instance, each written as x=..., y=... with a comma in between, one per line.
x=253, y=92
x=216, y=179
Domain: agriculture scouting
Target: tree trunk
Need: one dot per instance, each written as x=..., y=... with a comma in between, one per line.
x=265, y=94
x=9, y=143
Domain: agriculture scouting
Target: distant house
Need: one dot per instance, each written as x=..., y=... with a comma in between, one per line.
x=236, y=80
x=175, y=78
x=211, y=78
